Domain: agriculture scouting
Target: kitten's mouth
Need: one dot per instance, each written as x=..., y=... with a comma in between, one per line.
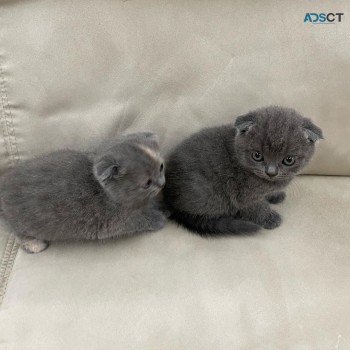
x=271, y=179
x=154, y=193
x=277, y=178
x=262, y=175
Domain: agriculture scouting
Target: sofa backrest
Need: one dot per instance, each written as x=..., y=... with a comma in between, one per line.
x=75, y=72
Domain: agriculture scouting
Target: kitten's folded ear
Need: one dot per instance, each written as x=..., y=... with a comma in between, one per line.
x=145, y=135
x=244, y=122
x=311, y=131
x=106, y=168
x=151, y=135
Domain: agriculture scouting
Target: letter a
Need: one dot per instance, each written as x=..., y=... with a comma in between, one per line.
x=307, y=18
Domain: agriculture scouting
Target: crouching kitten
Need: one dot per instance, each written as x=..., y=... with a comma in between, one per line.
x=69, y=195
x=221, y=180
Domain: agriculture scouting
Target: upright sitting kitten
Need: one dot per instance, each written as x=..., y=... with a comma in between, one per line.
x=221, y=180
x=68, y=195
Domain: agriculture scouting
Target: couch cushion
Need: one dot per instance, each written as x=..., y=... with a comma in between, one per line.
x=74, y=72
x=281, y=289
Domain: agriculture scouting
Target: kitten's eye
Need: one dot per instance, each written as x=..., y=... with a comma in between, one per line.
x=257, y=156
x=289, y=160
x=148, y=184
x=161, y=167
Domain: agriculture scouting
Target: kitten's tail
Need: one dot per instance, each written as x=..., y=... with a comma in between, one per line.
x=206, y=227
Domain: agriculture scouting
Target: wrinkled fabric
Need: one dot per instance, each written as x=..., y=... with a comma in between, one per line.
x=75, y=72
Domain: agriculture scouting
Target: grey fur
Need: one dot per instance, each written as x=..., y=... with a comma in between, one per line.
x=214, y=186
x=69, y=195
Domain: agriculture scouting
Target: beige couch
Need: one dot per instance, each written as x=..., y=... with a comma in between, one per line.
x=75, y=72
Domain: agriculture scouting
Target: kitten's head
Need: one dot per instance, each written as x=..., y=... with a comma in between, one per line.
x=130, y=168
x=274, y=143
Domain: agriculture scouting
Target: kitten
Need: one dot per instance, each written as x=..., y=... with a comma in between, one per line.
x=69, y=195
x=222, y=179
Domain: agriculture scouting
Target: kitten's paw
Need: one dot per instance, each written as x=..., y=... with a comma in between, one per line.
x=160, y=206
x=33, y=245
x=276, y=198
x=272, y=220
x=166, y=213
x=157, y=220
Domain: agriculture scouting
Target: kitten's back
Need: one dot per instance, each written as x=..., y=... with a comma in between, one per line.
x=48, y=192
x=196, y=168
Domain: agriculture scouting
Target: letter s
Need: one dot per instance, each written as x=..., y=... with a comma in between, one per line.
x=322, y=17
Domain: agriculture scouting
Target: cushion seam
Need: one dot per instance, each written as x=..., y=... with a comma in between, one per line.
x=7, y=263
x=8, y=123
x=12, y=153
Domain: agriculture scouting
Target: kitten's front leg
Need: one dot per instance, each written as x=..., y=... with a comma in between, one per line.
x=159, y=205
x=261, y=214
x=148, y=219
x=276, y=198
x=151, y=219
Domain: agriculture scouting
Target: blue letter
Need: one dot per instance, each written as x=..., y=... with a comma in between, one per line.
x=314, y=14
x=307, y=18
x=322, y=17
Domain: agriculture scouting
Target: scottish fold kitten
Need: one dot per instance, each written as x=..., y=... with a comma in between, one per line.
x=222, y=179
x=69, y=195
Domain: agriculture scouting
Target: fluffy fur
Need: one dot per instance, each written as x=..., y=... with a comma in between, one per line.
x=68, y=195
x=222, y=179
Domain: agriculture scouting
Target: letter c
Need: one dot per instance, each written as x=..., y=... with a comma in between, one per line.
x=329, y=15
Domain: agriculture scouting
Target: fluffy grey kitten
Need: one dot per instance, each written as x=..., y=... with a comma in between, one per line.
x=69, y=195
x=222, y=179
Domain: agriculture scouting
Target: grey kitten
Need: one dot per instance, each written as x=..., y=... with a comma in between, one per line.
x=222, y=179
x=69, y=195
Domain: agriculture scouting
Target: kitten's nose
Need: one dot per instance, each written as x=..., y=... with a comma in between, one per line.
x=161, y=181
x=271, y=170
